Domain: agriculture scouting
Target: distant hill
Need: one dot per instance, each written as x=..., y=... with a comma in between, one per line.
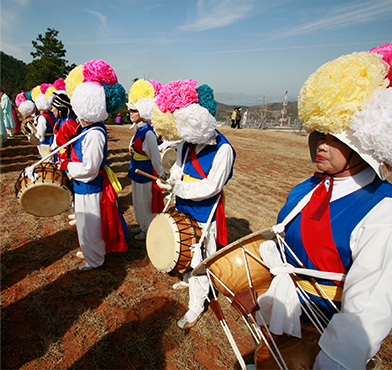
x=13, y=75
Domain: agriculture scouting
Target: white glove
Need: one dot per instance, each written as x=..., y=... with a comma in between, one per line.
x=166, y=186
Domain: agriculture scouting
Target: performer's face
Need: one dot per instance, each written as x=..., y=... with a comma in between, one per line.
x=135, y=116
x=56, y=112
x=332, y=156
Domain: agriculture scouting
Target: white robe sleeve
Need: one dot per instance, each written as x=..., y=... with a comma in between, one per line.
x=92, y=147
x=41, y=128
x=176, y=169
x=150, y=147
x=217, y=177
x=354, y=335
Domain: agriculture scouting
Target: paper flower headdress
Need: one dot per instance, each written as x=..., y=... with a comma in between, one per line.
x=94, y=91
x=142, y=97
x=348, y=98
x=38, y=94
x=185, y=112
x=25, y=104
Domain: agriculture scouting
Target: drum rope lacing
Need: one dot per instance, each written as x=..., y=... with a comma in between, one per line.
x=191, y=235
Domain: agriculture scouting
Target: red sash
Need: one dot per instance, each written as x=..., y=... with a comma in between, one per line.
x=317, y=234
x=221, y=237
x=49, y=118
x=112, y=231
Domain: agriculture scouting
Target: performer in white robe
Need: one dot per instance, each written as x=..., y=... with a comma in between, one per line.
x=204, y=165
x=147, y=201
x=95, y=211
x=346, y=226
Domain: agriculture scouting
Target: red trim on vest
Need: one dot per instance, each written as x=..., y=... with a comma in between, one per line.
x=317, y=235
x=49, y=118
x=138, y=146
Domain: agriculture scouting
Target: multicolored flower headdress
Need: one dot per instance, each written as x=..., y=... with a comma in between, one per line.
x=142, y=97
x=184, y=112
x=38, y=94
x=94, y=91
x=25, y=104
x=350, y=97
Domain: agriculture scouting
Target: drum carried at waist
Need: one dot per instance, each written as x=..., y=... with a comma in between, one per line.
x=168, y=158
x=47, y=196
x=238, y=272
x=28, y=128
x=169, y=240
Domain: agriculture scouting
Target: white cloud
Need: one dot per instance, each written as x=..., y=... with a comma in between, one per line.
x=360, y=12
x=102, y=18
x=216, y=14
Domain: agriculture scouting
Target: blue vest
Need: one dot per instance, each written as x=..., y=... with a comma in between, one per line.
x=143, y=165
x=49, y=137
x=96, y=185
x=200, y=210
x=345, y=214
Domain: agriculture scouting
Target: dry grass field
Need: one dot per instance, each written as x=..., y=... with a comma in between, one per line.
x=123, y=315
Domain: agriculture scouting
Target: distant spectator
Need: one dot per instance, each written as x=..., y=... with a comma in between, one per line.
x=233, y=118
x=3, y=131
x=238, y=119
x=119, y=120
x=245, y=118
x=128, y=119
x=16, y=119
x=7, y=113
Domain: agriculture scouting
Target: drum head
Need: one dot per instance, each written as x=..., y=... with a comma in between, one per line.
x=45, y=198
x=229, y=267
x=168, y=157
x=44, y=151
x=163, y=242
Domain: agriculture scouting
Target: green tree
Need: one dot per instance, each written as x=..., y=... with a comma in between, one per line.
x=49, y=62
x=13, y=74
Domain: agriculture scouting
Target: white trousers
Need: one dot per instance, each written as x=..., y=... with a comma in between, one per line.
x=88, y=225
x=142, y=200
x=198, y=285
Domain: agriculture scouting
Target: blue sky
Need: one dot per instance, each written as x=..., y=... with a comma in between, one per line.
x=245, y=50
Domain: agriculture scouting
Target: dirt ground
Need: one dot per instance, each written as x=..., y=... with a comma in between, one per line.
x=123, y=315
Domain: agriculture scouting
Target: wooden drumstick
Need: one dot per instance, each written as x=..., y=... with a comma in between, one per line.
x=150, y=176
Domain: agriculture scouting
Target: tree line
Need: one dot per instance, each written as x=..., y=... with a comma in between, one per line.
x=48, y=65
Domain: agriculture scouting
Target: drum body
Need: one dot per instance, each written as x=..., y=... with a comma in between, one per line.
x=298, y=353
x=230, y=273
x=47, y=196
x=168, y=157
x=28, y=128
x=230, y=268
x=169, y=239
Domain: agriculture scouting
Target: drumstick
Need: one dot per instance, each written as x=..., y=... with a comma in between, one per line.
x=150, y=176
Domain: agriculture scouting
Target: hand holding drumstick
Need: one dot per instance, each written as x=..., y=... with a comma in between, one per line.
x=160, y=181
